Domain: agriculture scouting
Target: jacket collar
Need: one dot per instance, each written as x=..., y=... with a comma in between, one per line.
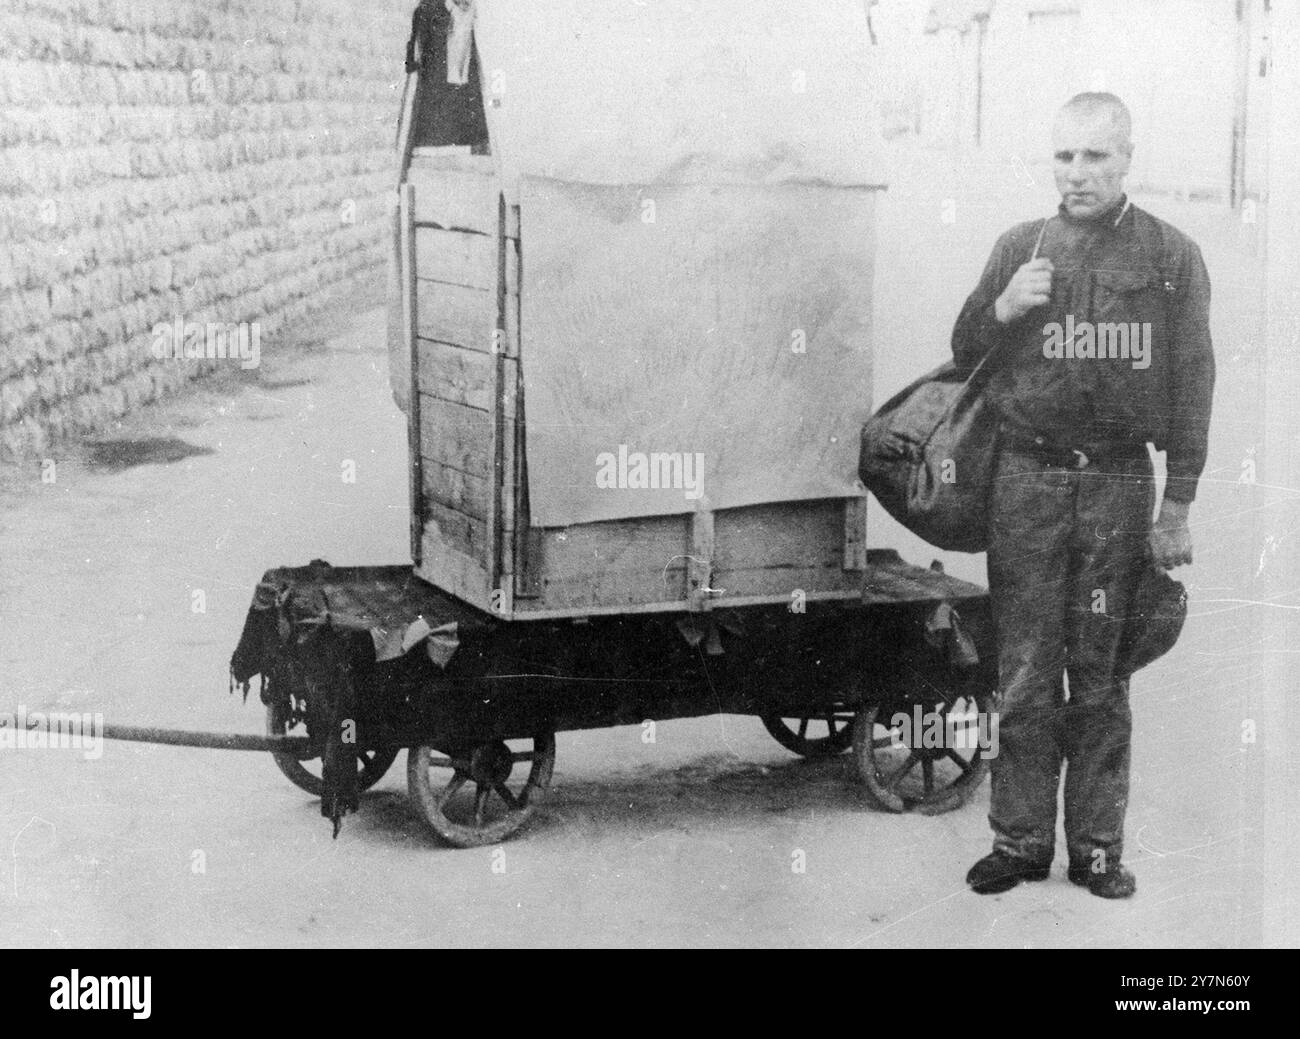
x=1110, y=218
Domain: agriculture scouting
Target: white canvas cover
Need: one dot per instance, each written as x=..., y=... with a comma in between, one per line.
x=751, y=126
x=719, y=356
x=679, y=91
x=734, y=324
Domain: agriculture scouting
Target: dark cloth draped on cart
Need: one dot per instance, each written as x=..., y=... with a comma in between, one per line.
x=320, y=625
x=389, y=604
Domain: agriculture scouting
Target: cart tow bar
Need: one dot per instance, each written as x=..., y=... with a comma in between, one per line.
x=209, y=740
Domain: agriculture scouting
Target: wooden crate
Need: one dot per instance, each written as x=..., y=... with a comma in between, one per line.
x=471, y=536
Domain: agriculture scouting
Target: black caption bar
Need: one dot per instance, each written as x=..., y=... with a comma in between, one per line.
x=135, y=989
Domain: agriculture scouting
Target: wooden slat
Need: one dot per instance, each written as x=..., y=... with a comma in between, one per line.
x=528, y=559
x=501, y=426
x=456, y=257
x=398, y=321
x=456, y=573
x=463, y=316
x=456, y=193
x=621, y=562
x=776, y=583
x=508, y=482
x=805, y=534
x=406, y=125
x=406, y=216
x=456, y=435
x=652, y=542
x=456, y=530
x=426, y=165
x=460, y=258
x=464, y=376
x=460, y=491
x=436, y=153
x=515, y=506
x=618, y=591
x=538, y=610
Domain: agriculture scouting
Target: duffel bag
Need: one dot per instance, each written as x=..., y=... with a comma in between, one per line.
x=928, y=456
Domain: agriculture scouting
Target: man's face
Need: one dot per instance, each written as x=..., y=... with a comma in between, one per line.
x=1091, y=160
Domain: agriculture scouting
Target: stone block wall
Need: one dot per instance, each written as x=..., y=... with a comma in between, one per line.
x=212, y=160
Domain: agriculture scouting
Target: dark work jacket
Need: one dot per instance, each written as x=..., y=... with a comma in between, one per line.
x=1125, y=267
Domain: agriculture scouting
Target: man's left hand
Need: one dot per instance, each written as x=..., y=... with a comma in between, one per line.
x=1171, y=541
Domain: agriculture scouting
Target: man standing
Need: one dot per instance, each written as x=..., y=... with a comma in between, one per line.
x=1098, y=320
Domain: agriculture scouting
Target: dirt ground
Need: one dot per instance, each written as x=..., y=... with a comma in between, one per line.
x=689, y=840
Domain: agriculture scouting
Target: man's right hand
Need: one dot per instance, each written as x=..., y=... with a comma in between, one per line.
x=1029, y=287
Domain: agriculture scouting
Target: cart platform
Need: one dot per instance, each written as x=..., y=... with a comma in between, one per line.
x=370, y=660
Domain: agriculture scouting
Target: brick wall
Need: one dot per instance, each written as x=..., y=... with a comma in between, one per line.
x=221, y=160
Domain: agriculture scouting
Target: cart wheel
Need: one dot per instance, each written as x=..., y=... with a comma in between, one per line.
x=371, y=763
x=899, y=777
x=832, y=732
x=439, y=784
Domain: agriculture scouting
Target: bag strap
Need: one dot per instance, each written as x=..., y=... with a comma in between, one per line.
x=1042, y=230
x=1038, y=242
x=968, y=386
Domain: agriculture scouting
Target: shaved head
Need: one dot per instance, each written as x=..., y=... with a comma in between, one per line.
x=1092, y=147
x=1098, y=106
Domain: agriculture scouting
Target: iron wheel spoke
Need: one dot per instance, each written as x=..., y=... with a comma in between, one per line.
x=453, y=786
x=504, y=793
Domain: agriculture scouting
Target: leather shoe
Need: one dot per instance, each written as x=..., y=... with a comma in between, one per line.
x=999, y=872
x=1116, y=882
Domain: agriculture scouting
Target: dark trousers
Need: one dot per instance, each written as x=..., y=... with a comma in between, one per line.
x=1066, y=547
